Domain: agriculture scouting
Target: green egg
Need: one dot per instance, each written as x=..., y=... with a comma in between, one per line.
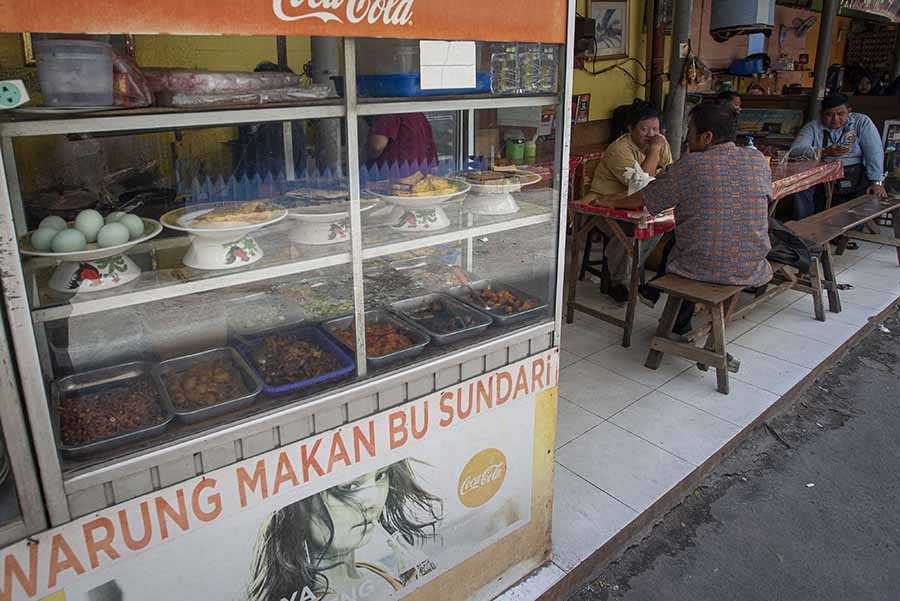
x=134, y=224
x=112, y=234
x=115, y=216
x=53, y=222
x=89, y=223
x=67, y=241
x=41, y=238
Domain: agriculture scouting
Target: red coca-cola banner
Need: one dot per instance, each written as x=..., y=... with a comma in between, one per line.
x=528, y=20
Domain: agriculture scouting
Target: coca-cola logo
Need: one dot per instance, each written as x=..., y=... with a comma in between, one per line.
x=482, y=477
x=387, y=12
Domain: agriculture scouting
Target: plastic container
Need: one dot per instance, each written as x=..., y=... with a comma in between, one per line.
x=515, y=150
x=311, y=334
x=97, y=381
x=420, y=339
x=75, y=72
x=408, y=308
x=468, y=295
x=249, y=377
x=407, y=84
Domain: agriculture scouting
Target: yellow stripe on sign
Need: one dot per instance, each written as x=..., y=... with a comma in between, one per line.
x=57, y=596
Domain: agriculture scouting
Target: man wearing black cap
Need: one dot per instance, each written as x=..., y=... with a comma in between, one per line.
x=843, y=136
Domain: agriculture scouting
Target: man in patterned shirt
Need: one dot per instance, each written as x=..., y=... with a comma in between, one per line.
x=721, y=194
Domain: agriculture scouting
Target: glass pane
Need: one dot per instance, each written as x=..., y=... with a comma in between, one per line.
x=9, y=497
x=460, y=247
x=234, y=248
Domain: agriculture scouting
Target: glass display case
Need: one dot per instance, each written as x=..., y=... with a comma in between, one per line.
x=185, y=286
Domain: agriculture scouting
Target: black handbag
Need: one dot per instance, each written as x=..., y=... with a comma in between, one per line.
x=790, y=249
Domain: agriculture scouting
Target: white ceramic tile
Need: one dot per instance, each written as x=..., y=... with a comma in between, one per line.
x=878, y=265
x=856, y=315
x=764, y=311
x=742, y=405
x=535, y=585
x=584, y=518
x=798, y=321
x=566, y=359
x=630, y=362
x=765, y=371
x=786, y=346
x=883, y=280
x=679, y=428
x=599, y=390
x=625, y=466
x=572, y=421
x=737, y=328
x=587, y=336
x=885, y=254
x=844, y=262
x=867, y=297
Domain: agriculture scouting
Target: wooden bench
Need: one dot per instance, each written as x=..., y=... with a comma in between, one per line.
x=713, y=297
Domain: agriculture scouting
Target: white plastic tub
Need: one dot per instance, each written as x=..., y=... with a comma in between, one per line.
x=75, y=72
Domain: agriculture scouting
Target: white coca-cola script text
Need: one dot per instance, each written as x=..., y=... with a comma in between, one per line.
x=388, y=12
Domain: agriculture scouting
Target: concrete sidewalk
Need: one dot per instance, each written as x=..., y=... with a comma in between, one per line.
x=805, y=509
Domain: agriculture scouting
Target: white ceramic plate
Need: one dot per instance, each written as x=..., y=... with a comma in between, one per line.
x=526, y=178
x=152, y=228
x=179, y=220
x=423, y=202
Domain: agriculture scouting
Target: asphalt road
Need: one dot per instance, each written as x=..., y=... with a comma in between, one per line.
x=808, y=508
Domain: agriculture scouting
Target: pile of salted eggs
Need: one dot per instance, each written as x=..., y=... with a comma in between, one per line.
x=55, y=235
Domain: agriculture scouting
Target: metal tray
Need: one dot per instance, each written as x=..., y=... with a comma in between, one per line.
x=251, y=381
x=306, y=333
x=99, y=379
x=481, y=320
x=500, y=318
x=420, y=339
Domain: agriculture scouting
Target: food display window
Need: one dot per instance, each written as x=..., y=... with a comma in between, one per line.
x=185, y=281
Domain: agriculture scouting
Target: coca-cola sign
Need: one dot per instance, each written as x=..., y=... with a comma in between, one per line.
x=386, y=12
x=482, y=477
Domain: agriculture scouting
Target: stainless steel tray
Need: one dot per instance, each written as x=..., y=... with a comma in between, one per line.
x=480, y=321
x=97, y=380
x=251, y=381
x=464, y=294
x=420, y=338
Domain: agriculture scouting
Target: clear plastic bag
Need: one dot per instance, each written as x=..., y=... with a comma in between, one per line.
x=187, y=81
x=130, y=87
x=188, y=100
x=504, y=69
x=529, y=56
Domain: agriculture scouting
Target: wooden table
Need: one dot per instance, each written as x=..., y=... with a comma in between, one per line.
x=786, y=179
x=585, y=219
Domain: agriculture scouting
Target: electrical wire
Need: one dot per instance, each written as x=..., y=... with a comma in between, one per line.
x=618, y=66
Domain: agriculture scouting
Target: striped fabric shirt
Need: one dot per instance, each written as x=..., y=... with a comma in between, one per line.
x=721, y=199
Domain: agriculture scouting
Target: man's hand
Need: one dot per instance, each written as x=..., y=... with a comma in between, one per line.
x=835, y=150
x=876, y=190
x=658, y=142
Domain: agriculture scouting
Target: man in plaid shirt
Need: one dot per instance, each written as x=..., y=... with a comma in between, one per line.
x=720, y=193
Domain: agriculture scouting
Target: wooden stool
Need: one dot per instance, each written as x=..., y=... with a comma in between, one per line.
x=713, y=298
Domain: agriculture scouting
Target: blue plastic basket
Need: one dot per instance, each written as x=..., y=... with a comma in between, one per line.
x=305, y=333
x=407, y=84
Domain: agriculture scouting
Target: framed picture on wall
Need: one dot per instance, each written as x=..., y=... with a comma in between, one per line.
x=611, y=33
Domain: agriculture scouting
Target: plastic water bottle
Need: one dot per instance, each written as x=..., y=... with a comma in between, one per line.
x=750, y=142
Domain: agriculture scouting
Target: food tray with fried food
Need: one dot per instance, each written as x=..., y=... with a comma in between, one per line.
x=442, y=317
x=505, y=304
x=388, y=340
x=107, y=408
x=418, y=186
x=291, y=359
x=209, y=384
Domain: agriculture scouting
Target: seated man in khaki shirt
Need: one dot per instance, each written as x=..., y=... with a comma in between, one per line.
x=642, y=144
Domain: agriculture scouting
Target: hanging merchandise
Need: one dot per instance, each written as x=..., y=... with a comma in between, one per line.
x=695, y=71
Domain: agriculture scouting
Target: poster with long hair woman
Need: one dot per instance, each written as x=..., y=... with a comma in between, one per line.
x=316, y=546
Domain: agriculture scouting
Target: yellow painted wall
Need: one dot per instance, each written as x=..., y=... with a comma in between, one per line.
x=614, y=88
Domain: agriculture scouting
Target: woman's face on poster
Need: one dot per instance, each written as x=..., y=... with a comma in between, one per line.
x=354, y=508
